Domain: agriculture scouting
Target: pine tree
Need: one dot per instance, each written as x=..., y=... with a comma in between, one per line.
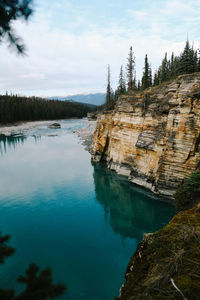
x=38, y=284
x=198, y=62
x=188, y=60
x=139, y=85
x=195, y=61
x=164, y=69
x=147, y=74
x=176, y=66
x=157, y=77
x=16, y=108
x=9, y=12
x=150, y=76
x=122, y=82
x=131, y=77
x=121, y=89
x=109, y=93
x=171, y=67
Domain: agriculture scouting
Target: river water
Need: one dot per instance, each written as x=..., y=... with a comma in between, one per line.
x=62, y=211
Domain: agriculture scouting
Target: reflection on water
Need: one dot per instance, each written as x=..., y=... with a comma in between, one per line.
x=82, y=220
x=7, y=142
x=130, y=211
x=12, y=141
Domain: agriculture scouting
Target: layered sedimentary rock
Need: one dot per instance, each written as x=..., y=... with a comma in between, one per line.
x=153, y=137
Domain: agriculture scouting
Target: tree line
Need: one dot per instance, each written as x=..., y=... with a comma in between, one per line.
x=186, y=63
x=16, y=108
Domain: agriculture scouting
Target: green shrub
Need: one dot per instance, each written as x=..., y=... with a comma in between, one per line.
x=188, y=193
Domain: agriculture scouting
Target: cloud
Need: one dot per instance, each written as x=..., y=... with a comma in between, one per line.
x=138, y=14
x=69, y=46
x=34, y=76
x=168, y=18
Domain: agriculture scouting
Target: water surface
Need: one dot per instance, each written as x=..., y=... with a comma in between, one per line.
x=62, y=211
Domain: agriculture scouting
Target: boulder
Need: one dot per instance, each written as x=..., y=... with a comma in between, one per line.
x=55, y=125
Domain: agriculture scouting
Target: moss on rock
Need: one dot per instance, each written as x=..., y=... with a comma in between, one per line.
x=188, y=193
x=173, y=253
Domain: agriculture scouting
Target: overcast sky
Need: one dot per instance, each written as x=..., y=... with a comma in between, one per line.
x=70, y=43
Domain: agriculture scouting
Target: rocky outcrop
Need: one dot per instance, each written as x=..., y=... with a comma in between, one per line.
x=55, y=125
x=166, y=263
x=92, y=116
x=153, y=137
x=86, y=134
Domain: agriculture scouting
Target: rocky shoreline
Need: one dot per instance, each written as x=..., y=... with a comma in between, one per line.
x=20, y=128
x=86, y=134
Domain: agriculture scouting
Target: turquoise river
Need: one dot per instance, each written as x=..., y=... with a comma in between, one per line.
x=62, y=211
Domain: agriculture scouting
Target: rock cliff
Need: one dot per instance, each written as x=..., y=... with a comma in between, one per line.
x=153, y=137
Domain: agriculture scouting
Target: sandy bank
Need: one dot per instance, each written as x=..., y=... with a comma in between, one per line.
x=20, y=128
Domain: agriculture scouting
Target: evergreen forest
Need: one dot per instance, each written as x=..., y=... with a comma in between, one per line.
x=16, y=108
x=187, y=62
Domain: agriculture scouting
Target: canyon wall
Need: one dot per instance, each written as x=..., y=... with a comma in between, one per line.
x=153, y=137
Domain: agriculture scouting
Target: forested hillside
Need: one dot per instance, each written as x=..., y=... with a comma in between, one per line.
x=187, y=62
x=16, y=108
x=94, y=99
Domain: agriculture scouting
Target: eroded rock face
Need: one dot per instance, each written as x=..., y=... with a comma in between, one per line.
x=153, y=136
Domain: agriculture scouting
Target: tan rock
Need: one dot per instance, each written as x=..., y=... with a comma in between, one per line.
x=153, y=136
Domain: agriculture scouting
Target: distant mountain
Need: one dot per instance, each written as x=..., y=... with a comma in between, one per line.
x=95, y=99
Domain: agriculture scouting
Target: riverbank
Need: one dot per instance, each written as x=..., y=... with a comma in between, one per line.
x=21, y=127
x=86, y=134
